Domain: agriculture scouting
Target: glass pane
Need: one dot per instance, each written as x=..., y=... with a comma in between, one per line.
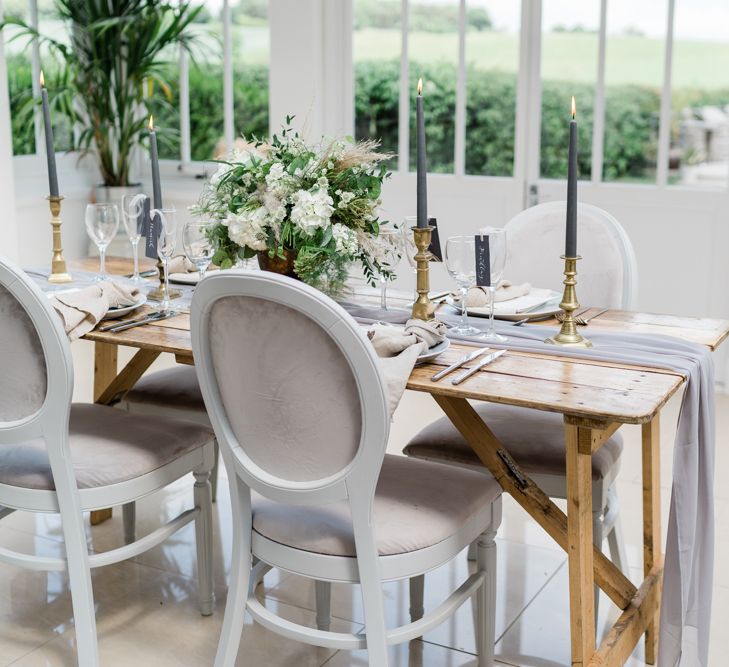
x=569, y=67
x=376, y=56
x=433, y=49
x=164, y=103
x=699, y=153
x=634, y=60
x=492, y=64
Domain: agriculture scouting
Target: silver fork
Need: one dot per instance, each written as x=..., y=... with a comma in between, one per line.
x=580, y=311
x=584, y=321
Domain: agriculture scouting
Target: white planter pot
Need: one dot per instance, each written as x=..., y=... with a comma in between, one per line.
x=112, y=194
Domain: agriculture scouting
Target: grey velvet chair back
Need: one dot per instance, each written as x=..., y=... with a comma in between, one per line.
x=290, y=382
x=36, y=374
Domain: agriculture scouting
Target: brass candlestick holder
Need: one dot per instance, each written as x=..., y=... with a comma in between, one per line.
x=158, y=293
x=59, y=274
x=568, y=334
x=423, y=307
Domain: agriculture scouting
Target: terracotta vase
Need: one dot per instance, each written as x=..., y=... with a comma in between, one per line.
x=284, y=266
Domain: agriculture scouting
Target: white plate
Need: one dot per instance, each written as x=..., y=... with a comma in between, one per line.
x=505, y=310
x=191, y=278
x=434, y=351
x=114, y=313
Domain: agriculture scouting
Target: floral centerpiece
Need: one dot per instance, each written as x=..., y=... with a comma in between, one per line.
x=306, y=211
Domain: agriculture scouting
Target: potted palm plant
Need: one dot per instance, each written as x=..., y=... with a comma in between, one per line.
x=113, y=56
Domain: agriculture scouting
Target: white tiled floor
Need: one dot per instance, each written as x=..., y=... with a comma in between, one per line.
x=146, y=608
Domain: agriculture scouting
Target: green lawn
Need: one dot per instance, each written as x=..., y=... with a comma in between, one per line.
x=566, y=56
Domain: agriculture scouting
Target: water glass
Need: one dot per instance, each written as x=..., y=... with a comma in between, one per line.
x=390, y=246
x=198, y=248
x=497, y=256
x=460, y=260
x=166, y=246
x=102, y=223
x=132, y=207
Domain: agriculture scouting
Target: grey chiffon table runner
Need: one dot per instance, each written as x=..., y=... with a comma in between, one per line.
x=689, y=558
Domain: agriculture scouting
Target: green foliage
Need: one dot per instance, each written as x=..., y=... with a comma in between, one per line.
x=423, y=16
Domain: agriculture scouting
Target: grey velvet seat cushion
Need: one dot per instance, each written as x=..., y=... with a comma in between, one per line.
x=535, y=439
x=108, y=446
x=417, y=505
x=171, y=388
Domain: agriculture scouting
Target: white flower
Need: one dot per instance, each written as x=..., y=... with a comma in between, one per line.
x=345, y=240
x=276, y=173
x=247, y=228
x=344, y=199
x=312, y=210
x=222, y=170
x=322, y=183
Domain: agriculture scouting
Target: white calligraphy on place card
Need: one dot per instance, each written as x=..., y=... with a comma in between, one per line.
x=483, y=261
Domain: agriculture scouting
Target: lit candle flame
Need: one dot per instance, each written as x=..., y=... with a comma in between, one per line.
x=150, y=125
x=42, y=80
x=574, y=108
x=420, y=86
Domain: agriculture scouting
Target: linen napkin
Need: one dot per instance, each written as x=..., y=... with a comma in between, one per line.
x=183, y=271
x=81, y=311
x=399, y=348
x=478, y=297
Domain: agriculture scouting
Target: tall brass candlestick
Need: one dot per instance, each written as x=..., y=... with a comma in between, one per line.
x=59, y=273
x=423, y=308
x=568, y=334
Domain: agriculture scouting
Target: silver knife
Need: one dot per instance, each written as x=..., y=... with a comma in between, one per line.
x=147, y=320
x=117, y=323
x=463, y=360
x=484, y=362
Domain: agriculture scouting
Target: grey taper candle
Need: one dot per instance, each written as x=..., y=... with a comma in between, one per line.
x=156, y=186
x=570, y=249
x=50, y=151
x=421, y=164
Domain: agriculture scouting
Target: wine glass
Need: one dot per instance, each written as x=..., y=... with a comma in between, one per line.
x=166, y=246
x=132, y=207
x=411, y=249
x=198, y=248
x=390, y=246
x=460, y=260
x=497, y=257
x=102, y=223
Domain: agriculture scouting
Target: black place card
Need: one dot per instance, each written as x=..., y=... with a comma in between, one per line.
x=146, y=218
x=434, y=247
x=483, y=261
x=153, y=231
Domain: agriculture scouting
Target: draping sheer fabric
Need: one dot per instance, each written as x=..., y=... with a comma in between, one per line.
x=22, y=361
x=107, y=446
x=534, y=439
x=531, y=240
x=287, y=389
x=417, y=504
x=689, y=561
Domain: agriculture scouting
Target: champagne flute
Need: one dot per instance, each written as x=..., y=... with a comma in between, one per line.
x=102, y=223
x=497, y=257
x=411, y=249
x=198, y=248
x=460, y=260
x=133, y=217
x=390, y=252
x=166, y=246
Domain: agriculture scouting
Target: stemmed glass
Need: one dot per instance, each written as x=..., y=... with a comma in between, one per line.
x=460, y=260
x=102, y=223
x=390, y=253
x=411, y=249
x=133, y=217
x=497, y=256
x=166, y=246
x=196, y=241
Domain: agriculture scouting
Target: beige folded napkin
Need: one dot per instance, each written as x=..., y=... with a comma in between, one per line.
x=81, y=311
x=478, y=297
x=399, y=349
x=180, y=264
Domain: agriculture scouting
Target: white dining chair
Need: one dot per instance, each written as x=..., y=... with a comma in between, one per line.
x=295, y=394
x=67, y=458
x=608, y=277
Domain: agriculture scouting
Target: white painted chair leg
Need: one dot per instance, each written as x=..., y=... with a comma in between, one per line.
x=204, y=540
x=597, y=539
x=486, y=599
x=417, y=596
x=214, y=472
x=240, y=575
x=323, y=591
x=129, y=516
x=472, y=552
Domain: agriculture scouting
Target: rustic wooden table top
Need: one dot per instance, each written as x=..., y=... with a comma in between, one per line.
x=584, y=388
